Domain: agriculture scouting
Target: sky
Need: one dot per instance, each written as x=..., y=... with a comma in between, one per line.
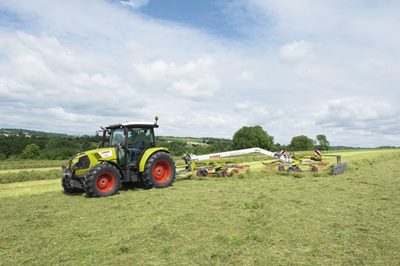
x=207, y=68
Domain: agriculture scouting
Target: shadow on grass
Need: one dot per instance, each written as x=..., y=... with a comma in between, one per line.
x=133, y=186
x=75, y=194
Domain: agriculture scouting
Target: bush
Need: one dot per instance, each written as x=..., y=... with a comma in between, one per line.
x=31, y=151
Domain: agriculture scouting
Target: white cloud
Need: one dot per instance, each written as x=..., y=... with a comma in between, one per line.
x=306, y=67
x=246, y=76
x=194, y=80
x=365, y=114
x=296, y=50
x=134, y=3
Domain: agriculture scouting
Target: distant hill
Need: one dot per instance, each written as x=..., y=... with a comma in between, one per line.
x=29, y=133
x=62, y=146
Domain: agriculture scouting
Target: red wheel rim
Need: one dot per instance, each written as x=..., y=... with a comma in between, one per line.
x=162, y=171
x=105, y=182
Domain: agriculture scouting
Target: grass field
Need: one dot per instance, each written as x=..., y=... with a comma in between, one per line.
x=256, y=218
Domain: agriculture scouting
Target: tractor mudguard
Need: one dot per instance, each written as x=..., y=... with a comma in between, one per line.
x=146, y=155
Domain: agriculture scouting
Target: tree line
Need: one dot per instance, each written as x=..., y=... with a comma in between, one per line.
x=247, y=137
x=256, y=136
x=19, y=146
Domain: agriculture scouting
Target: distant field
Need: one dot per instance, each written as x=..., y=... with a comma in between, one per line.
x=184, y=139
x=256, y=218
x=351, y=155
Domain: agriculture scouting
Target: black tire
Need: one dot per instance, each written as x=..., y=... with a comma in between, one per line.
x=234, y=172
x=68, y=189
x=102, y=180
x=224, y=173
x=159, y=171
x=202, y=173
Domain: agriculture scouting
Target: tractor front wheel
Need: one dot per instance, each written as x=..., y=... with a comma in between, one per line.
x=102, y=180
x=159, y=171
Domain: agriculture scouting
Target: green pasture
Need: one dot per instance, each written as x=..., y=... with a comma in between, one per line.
x=256, y=218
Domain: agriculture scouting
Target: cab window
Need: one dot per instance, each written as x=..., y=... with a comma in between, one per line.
x=117, y=137
x=140, y=138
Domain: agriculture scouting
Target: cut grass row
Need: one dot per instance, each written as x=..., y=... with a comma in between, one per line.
x=29, y=175
x=257, y=218
x=28, y=164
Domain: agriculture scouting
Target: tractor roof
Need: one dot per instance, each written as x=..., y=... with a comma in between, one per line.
x=131, y=124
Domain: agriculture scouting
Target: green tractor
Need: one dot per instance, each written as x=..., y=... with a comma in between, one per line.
x=127, y=154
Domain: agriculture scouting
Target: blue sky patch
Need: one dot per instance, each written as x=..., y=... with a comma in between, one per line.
x=10, y=20
x=207, y=15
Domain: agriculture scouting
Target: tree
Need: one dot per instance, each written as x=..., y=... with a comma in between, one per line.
x=31, y=151
x=278, y=146
x=177, y=147
x=301, y=143
x=61, y=148
x=220, y=145
x=323, y=143
x=249, y=137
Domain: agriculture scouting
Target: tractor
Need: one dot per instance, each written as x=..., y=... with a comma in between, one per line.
x=127, y=154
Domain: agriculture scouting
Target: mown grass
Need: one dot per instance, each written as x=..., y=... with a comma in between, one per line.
x=10, y=176
x=256, y=218
x=28, y=170
x=28, y=164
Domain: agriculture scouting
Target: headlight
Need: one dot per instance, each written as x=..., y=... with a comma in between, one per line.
x=81, y=163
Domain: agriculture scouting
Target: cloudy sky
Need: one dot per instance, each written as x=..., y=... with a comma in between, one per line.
x=205, y=67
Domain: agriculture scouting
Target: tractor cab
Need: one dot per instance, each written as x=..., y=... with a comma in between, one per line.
x=130, y=139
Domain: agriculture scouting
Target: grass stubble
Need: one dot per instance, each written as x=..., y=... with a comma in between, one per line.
x=256, y=218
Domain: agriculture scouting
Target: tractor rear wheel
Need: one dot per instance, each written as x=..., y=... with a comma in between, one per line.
x=159, y=171
x=102, y=180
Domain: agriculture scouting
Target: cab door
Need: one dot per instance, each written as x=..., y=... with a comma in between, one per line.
x=117, y=141
x=139, y=139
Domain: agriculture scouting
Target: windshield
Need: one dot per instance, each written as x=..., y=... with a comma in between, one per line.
x=140, y=138
x=117, y=137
